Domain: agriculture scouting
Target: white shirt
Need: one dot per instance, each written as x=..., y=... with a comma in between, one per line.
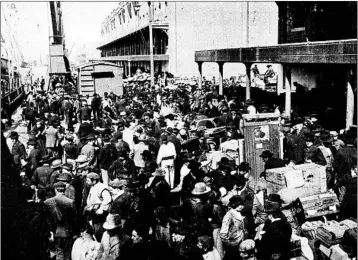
x=128, y=137
x=212, y=255
x=95, y=196
x=251, y=110
x=166, y=150
x=137, y=150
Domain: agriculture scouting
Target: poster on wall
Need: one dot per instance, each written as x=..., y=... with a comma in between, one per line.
x=262, y=133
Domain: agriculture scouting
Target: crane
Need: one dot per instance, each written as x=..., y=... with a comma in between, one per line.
x=59, y=64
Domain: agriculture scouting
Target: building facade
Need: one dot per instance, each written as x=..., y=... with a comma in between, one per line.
x=317, y=50
x=180, y=29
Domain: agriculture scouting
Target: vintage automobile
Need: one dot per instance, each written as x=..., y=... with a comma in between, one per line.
x=208, y=125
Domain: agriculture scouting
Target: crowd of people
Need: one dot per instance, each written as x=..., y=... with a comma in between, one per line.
x=130, y=177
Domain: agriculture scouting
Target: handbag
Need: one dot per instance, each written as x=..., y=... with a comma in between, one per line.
x=332, y=232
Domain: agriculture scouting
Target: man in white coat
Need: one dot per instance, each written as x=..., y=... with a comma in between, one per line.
x=166, y=157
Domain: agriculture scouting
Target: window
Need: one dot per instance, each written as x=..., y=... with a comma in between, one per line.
x=103, y=74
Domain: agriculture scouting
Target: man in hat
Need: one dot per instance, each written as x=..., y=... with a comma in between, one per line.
x=66, y=177
x=85, y=111
x=221, y=176
x=138, y=150
x=96, y=106
x=113, y=239
x=34, y=155
x=235, y=119
x=149, y=163
x=18, y=150
x=251, y=109
x=64, y=221
x=89, y=150
x=121, y=144
x=247, y=250
x=276, y=237
x=41, y=180
x=166, y=156
x=224, y=119
x=98, y=202
x=345, y=160
x=107, y=155
x=122, y=168
x=270, y=162
x=159, y=188
x=85, y=128
x=337, y=143
x=117, y=188
x=312, y=153
x=268, y=74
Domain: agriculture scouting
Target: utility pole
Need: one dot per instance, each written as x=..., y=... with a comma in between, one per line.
x=151, y=43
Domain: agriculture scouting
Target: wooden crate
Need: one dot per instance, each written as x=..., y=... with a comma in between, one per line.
x=314, y=178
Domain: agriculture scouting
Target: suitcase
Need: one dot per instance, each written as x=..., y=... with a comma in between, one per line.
x=338, y=254
x=332, y=233
x=349, y=242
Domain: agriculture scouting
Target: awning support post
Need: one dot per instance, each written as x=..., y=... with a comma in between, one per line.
x=200, y=80
x=221, y=77
x=248, y=80
x=287, y=73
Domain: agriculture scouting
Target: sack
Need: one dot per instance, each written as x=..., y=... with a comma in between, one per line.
x=349, y=242
x=56, y=210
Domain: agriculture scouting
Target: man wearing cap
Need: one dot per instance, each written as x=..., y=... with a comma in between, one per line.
x=166, y=156
x=107, y=155
x=276, y=234
x=89, y=149
x=34, y=155
x=149, y=163
x=85, y=128
x=122, y=168
x=64, y=221
x=18, y=150
x=41, y=180
x=85, y=111
x=270, y=162
x=312, y=153
x=66, y=177
x=117, y=190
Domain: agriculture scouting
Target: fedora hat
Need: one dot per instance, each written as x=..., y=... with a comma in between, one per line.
x=200, y=188
x=266, y=154
x=273, y=203
x=81, y=159
x=249, y=101
x=67, y=166
x=14, y=135
x=65, y=177
x=132, y=186
x=326, y=137
x=159, y=172
x=244, y=166
x=116, y=183
x=56, y=164
x=309, y=137
x=32, y=142
x=112, y=221
x=90, y=137
x=235, y=201
x=60, y=186
x=93, y=175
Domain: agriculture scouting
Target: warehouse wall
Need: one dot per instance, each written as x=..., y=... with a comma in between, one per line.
x=195, y=26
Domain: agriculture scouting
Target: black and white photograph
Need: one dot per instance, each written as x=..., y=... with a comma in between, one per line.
x=179, y=130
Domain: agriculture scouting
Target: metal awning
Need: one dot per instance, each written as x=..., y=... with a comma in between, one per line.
x=326, y=52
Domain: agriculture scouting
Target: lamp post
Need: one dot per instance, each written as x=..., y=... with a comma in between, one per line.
x=151, y=44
